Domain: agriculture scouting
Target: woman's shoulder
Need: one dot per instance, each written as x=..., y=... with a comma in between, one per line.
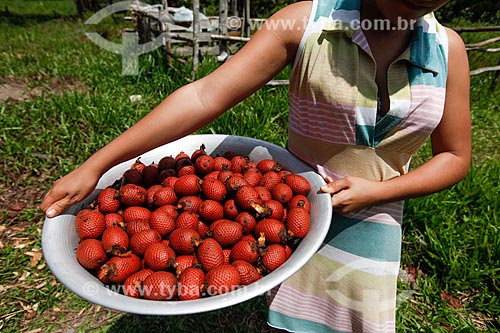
x=290, y=22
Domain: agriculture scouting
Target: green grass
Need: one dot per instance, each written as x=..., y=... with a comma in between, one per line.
x=450, y=238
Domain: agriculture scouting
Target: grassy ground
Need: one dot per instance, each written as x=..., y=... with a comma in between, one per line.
x=68, y=98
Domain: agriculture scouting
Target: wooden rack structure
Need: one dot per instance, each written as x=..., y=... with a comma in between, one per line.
x=483, y=46
x=214, y=36
x=196, y=38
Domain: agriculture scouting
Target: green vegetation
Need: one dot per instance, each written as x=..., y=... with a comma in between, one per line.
x=68, y=98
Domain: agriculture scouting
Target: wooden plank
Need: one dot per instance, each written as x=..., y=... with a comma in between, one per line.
x=483, y=43
x=231, y=38
x=196, y=33
x=475, y=29
x=484, y=69
x=278, y=83
x=223, y=24
x=482, y=49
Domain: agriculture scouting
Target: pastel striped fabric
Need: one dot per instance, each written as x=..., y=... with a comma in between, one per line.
x=350, y=284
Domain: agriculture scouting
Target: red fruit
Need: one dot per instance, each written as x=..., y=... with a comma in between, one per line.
x=137, y=165
x=247, y=222
x=113, y=219
x=214, y=224
x=245, y=250
x=142, y=239
x=169, y=209
x=107, y=201
x=136, y=213
x=184, y=240
x=187, y=220
x=298, y=222
x=186, y=170
x=187, y=185
x=162, y=221
x=249, y=238
x=248, y=273
x=149, y=175
x=213, y=189
x=167, y=162
x=118, y=269
x=210, y=254
x=251, y=165
x=222, y=279
x=277, y=211
x=223, y=176
x=211, y=210
x=164, y=175
x=160, y=286
x=245, y=197
x=115, y=240
x=252, y=177
x=226, y=253
x=264, y=193
x=169, y=181
x=300, y=201
x=190, y=283
x=132, y=195
x=202, y=228
x=90, y=254
x=227, y=233
x=267, y=165
x=198, y=153
x=230, y=209
x=184, y=261
x=222, y=163
x=132, y=286
x=234, y=182
x=182, y=155
x=274, y=231
x=238, y=164
x=190, y=203
x=288, y=251
x=284, y=173
x=164, y=196
x=275, y=255
x=212, y=175
x=158, y=256
x=204, y=164
x=89, y=224
x=298, y=184
x=270, y=179
x=150, y=193
x=135, y=226
x=282, y=193
x=132, y=176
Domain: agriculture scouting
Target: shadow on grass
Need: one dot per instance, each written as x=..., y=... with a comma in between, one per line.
x=249, y=316
x=32, y=19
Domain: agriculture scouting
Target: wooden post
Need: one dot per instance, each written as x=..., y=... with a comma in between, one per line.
x=235, y=7
x=223, y=25
x=248, y=30
x=196, y=33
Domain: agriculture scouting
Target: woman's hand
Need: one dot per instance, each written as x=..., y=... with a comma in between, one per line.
x=352, y=193
x=69, y=190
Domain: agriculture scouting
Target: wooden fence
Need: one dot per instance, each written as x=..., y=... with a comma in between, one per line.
x=215, y=36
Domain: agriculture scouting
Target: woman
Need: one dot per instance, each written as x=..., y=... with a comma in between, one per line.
x=371, y=80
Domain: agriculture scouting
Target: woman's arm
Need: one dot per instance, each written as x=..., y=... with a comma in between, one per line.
x=451, y=147
x=192, y=106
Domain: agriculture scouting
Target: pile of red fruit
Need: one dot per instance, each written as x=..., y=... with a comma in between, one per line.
x=193, y=226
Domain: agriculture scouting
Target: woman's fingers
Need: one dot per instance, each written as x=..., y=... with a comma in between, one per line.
x=58, y=207
x=333, y=186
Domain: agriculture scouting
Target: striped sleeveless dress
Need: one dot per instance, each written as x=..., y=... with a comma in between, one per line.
x=349, y=285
